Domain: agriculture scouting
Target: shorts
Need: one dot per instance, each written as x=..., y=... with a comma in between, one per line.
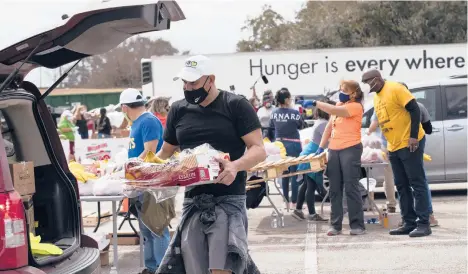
x=205, y=247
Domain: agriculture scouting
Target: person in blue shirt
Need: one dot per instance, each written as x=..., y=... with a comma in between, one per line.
x=314, y=180
x=286, y=122
x=146, y=135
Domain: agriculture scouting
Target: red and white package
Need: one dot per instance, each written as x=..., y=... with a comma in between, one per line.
x=191, y=167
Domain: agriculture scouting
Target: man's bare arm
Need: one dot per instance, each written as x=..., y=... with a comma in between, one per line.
x=149, y=146
x=167, y=150
x=255, y=151
x=373, y=126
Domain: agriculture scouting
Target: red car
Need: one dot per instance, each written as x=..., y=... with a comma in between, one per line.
x=29, y=134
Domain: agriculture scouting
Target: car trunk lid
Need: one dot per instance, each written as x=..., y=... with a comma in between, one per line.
x=89, y=33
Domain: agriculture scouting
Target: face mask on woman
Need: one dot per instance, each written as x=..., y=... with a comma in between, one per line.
x=343, y=97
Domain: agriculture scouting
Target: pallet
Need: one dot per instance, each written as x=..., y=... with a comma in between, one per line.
x=276, y=169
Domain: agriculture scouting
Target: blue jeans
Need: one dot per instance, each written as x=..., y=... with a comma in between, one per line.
x=154, y=246
x=411, y=183
x=429, y=195
x=293, y=149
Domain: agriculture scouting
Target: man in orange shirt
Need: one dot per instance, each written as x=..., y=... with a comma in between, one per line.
x=398, y=115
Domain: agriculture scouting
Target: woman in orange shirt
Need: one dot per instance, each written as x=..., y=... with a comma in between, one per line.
x=160, y=108
x=343, y=135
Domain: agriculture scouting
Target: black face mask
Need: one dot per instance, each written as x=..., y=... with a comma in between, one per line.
x=197, y=96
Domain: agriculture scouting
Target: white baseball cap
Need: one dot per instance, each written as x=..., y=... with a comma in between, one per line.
x=130, y=95
x=194, y=68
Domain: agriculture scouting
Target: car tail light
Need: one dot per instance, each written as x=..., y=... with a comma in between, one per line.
x=13, y=237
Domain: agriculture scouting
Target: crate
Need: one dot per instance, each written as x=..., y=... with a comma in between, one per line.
x=126, y=238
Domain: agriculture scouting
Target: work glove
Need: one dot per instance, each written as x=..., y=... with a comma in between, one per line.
x=319, y=151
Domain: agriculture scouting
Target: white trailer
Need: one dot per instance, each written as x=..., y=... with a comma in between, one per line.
x=309, y=72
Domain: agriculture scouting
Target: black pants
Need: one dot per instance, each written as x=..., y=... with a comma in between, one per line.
x=84, y=134
x=344, y=172
x=307, y=193
x=410, y=181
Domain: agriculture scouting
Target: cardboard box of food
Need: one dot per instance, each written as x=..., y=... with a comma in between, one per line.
x=22, y=175
x=29, y=211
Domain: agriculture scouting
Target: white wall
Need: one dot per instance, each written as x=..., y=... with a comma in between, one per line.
x=312, y=71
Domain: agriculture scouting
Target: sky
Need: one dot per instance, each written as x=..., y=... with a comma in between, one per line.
x=212, y=26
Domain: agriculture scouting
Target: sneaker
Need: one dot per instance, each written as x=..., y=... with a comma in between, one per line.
x=402, y=230
x=357, y=231
x=147, y=271
x=433, y=221
x=298, y=215
x=391, y=209
x=421, y=231
x=316, y=218
x=333, y=232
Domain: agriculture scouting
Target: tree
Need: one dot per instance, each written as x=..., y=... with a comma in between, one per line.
x=268, y=30
x=119, y=67
x=335, y=24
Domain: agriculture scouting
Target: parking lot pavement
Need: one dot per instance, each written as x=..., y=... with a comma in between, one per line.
x=302, y=247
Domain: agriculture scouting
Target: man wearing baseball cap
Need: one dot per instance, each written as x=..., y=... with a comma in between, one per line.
x=212, y=234
x=398, y=115
x=145, y=135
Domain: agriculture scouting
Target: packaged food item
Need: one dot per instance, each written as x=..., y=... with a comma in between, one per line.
x=271, y=149
x=191, y=167
x=372, y=141
x=372, y=155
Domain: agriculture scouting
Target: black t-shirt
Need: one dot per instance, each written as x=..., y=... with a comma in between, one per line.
x=104, y=126
x=82, y=125
x=220, y=124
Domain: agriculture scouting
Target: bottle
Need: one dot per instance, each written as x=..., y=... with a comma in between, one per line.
x=274, y=223
x=385, y=218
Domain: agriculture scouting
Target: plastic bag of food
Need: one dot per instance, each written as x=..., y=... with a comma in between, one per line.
x=109, y=185
x=372, y=155
x=86, y=189
x=163, y=177
x=372, y=141
x=271, y=149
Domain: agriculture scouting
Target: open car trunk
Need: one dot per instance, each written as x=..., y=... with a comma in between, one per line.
x=56, y=207
x=30, y=132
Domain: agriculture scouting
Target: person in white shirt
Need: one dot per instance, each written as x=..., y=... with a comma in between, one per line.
x=265, y=111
